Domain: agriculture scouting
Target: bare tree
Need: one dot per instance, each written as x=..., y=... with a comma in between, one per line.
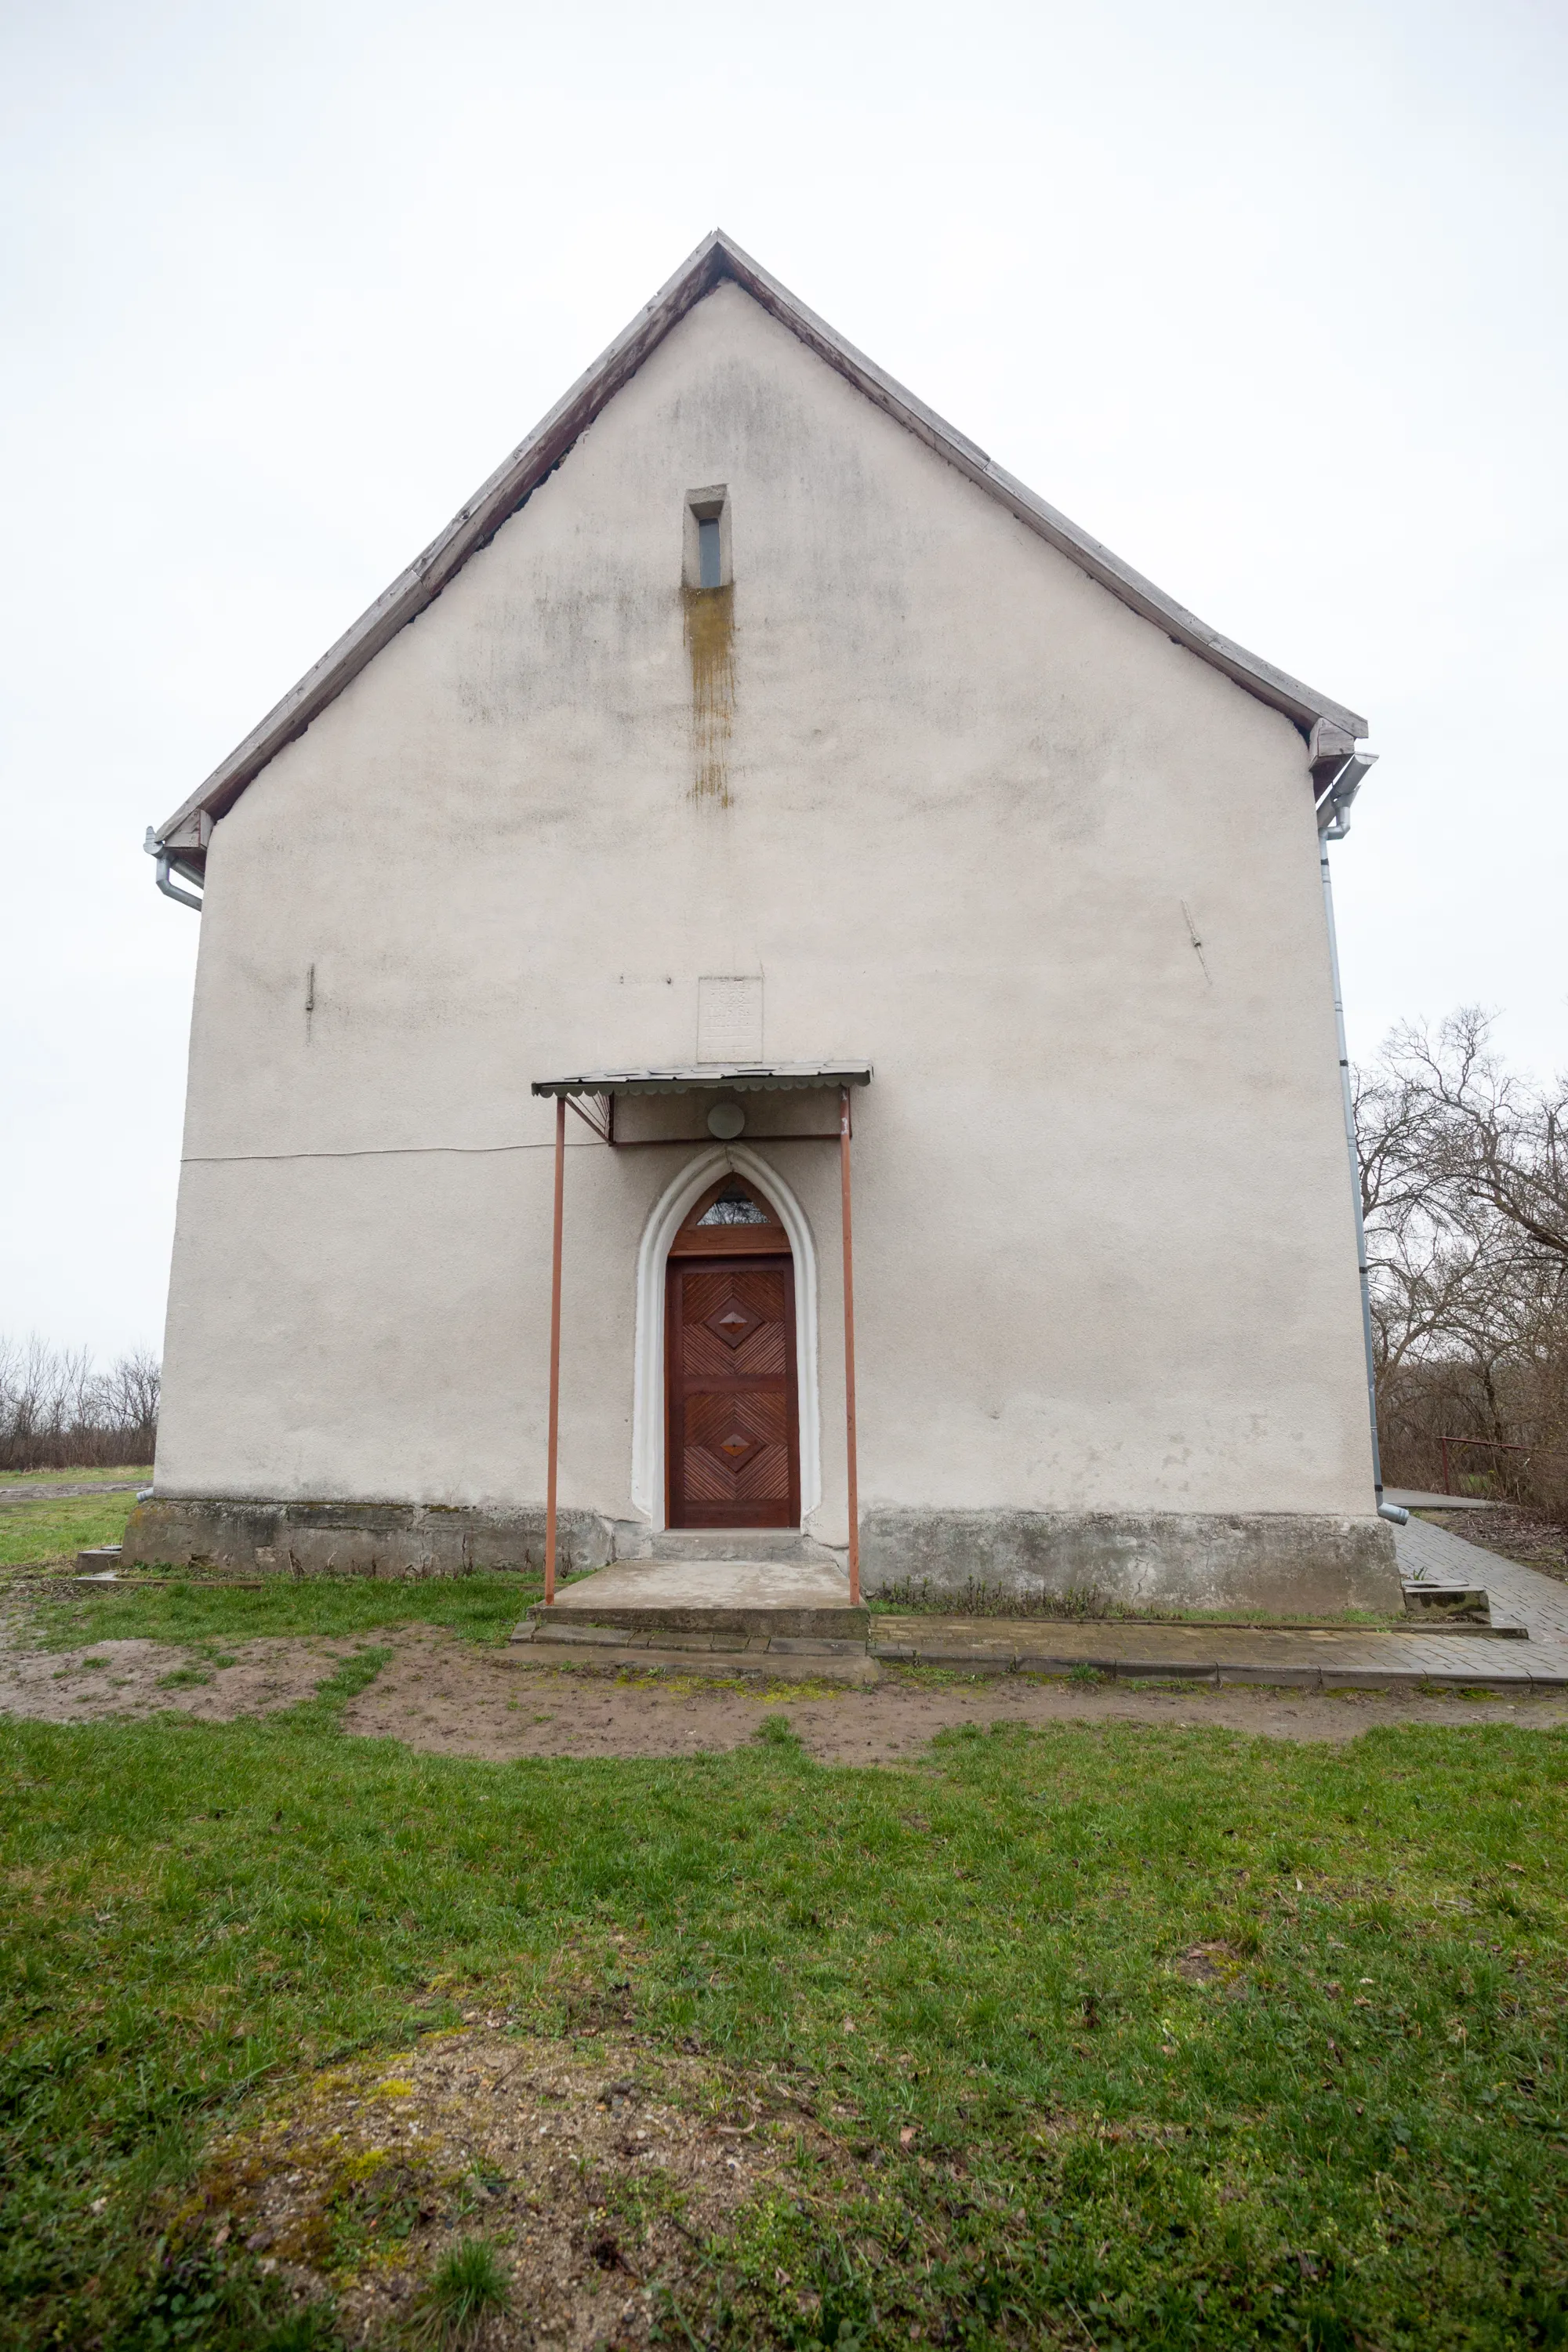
x=131, y=1389
x=57, y=1413
x=1465, y=1194
x=1493, y=1144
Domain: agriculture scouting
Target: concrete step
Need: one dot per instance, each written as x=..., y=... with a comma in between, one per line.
x=1124, y=1651
x=766, y=1598
x=721, y=1546
x=671, y=1652
x=844, y=1624
x=1119, y=1651
x=1429, y=1599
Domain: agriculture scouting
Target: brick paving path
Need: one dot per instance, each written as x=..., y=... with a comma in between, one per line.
x=1520, y=1596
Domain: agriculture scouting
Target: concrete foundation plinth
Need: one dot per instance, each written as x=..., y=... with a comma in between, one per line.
x=1285, y=1562
x=1282, y=1562
x=354, y=1539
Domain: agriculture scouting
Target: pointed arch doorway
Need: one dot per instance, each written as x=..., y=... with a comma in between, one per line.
x=731, y=1397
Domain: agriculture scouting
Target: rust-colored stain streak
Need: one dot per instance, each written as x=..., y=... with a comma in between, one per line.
x=710, y=642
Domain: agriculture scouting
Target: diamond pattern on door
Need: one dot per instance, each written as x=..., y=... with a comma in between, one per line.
x=733, y=1450
x=733, y=1323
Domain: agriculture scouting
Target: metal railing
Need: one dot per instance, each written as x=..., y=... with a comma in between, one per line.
x=1497, y=1445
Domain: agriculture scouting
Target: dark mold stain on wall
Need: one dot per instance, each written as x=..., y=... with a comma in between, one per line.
x=711, y=643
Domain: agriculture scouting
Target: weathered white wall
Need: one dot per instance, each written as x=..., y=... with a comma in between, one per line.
x=1104, y=1250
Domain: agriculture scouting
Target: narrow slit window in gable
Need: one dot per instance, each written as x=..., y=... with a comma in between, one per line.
x=709, y=573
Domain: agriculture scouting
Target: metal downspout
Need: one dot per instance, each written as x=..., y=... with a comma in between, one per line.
x=1385, y=1511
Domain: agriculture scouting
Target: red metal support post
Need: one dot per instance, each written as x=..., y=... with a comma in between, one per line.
x=851, y=1466
x=554, y=1438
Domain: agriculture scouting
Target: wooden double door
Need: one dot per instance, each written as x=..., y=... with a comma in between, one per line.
x=733, y=1434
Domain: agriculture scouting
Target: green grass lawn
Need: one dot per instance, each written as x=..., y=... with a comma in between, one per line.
x=1349, y=2132
x=39, y=1534
x=480, y=1607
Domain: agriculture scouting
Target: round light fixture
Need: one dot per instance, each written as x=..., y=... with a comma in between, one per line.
x=726, y=1120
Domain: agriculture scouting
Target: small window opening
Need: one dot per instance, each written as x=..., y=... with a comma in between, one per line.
x=734, y=1206
x=709, y=572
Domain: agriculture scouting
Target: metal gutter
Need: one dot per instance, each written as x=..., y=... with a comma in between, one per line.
x=166, y=865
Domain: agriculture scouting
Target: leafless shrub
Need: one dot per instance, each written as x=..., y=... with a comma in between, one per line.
x=57, y=1413
x=1465, y=1193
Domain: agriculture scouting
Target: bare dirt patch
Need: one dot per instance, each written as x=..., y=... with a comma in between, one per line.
x=446, y=1696
x=140, y=1678
x=595, y=2170
x=450, y=1699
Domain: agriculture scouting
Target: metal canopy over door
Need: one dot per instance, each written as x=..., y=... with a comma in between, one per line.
x=733, y=1441
x=705, y=1079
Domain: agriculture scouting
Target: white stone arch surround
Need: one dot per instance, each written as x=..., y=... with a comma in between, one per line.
x=669, y=1212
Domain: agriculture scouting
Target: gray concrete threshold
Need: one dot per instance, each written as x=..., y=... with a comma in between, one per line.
x=1302, y=1661
x=1120, y=1652
x=734, y=1583
x=793, y=1619
x=794, y=1598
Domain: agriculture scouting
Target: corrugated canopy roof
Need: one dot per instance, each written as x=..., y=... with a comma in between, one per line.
x=736, y=1077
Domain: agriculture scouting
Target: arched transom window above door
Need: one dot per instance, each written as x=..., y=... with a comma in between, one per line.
x=731, y=1220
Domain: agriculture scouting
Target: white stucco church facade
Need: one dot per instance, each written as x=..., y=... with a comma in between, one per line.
x=752, y=757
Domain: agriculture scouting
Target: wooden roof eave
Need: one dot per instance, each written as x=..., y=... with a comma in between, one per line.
x=716, y=258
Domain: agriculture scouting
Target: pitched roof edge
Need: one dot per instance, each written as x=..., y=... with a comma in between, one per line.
x=1301, y=703
x=476, y=522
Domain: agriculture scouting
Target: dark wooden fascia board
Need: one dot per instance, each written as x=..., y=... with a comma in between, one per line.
x=716, y=258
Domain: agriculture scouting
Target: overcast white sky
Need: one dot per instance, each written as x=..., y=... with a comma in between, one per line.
x=1269, y=297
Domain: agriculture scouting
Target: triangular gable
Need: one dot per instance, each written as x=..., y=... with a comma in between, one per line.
x=1324, y=723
